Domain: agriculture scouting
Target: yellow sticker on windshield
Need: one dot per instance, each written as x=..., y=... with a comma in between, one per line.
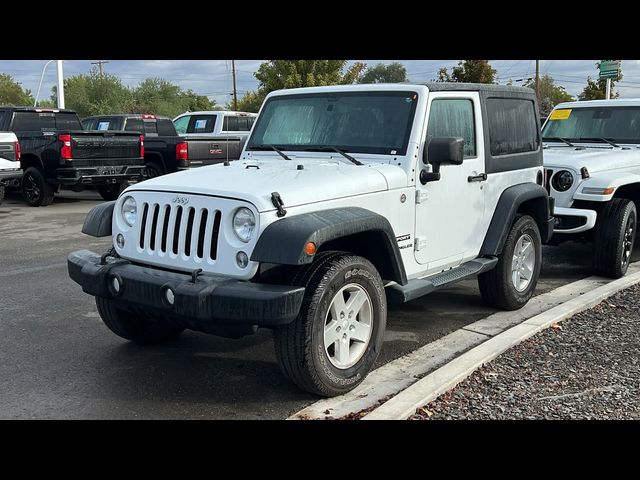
x=560, y=114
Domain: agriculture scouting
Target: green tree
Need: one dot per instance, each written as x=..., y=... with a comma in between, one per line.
x=162, y=97
x=473, y=71
x=249, y=102
x=278, y=74
x=550, y=94
x=93, y=94
x=597, y=89
x=11, y=93
x=392, y=73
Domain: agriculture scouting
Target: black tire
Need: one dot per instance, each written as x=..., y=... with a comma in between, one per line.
x=1, y=193
x=300, y=346
x=613, y=242
x=497, y=286
x=35, y=188
x=154, y=170
x=112, y=191
x=130, y=326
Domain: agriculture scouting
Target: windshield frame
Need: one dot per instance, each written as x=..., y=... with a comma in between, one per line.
x=593, y=139
x=347, y=148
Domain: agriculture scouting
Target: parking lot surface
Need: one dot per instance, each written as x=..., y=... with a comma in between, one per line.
x=57, y=359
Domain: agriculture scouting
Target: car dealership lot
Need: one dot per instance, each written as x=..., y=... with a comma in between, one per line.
x=57, y=359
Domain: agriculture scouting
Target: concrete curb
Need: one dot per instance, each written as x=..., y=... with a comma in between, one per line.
x=448, y=376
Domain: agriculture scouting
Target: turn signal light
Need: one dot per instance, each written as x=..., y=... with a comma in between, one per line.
x=310, y=248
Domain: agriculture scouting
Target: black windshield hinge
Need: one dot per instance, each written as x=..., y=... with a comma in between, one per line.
x=278, y=203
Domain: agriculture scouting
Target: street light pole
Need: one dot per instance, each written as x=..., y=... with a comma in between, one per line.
x=608, y=92
x=35, y=104
x=60, y=85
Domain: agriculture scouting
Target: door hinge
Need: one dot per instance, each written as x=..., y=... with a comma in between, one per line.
x=420, y=243
x=421, y=196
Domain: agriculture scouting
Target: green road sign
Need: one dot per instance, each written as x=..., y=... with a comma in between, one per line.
x=609, y=69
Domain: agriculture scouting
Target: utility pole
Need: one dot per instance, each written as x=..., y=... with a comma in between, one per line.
x=100, y=63
x=235, y=92
x=538, y=82
x=60, y=93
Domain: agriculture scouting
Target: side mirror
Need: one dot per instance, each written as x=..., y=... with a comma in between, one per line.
x=444, y=150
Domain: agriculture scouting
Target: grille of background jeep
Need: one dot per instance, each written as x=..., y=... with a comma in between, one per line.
x=191, y=232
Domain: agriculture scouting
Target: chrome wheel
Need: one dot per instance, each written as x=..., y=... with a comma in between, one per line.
x=523, y=263
x=347, y=328
x=627, y=242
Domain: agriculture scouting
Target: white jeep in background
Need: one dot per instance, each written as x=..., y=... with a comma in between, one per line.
x=344, y=197
x=592, y=162
x=10, y=172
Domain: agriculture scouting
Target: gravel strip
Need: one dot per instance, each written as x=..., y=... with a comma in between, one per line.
x=587, y=367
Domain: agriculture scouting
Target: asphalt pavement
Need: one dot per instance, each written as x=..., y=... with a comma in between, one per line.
x=58, y=361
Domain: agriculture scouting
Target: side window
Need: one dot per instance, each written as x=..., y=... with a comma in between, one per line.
x=251, y=121
x=201, y=124
x=87, y=124
x=181, y=124
x=453, y=117
x=134, y=125
x=150, y=127
x=230, y=124
x=512, y=126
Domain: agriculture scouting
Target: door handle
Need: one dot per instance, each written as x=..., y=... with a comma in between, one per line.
x=477, y=178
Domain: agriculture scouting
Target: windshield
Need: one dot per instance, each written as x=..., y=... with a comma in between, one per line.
x=364, y=122
x=617, y=124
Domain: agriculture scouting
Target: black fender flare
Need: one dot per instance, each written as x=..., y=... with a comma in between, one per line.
x=283, y=242
x=98, y=220
x=509, y=204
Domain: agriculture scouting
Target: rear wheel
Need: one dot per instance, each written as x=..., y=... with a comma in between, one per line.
x=1, y=193
x=136, y=328
x=614, y=236
x=154, y=170
x=511, y=283
x=333, y=343
x=35, y=188
x=111, y=191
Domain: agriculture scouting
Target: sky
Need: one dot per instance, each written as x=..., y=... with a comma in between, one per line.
x=213, y=77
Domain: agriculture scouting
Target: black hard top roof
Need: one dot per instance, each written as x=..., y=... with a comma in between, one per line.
x=479, y=87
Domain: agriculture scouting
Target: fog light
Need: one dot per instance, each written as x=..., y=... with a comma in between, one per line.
x=170, y=296
x=242, y=259
x=120, y=240
x=115, y=283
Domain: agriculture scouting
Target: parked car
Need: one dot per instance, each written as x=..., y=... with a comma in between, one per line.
x=592, y=161
x=345, y=197
x=10, y=172
x=57, y=153
x=214, y=136
x=164, y=150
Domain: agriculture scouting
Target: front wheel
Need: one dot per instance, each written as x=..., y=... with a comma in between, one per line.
x=511, y=283
x=112, y=191
x=333, y=343
x=138, y=329
x=614, y=236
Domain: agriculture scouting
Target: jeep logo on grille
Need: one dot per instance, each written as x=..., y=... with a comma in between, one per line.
x=180, y=200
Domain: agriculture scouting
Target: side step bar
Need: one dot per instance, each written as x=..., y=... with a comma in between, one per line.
x=422, y=286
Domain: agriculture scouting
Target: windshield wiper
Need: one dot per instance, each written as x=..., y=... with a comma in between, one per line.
x=265, y=146
x=602, y=139
x=564, y=140
x=334, y=149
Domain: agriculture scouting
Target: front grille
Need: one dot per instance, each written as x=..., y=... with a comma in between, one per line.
x=189, y=232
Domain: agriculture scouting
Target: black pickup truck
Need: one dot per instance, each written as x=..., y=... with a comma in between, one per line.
x=164, y=150
x=57, y=153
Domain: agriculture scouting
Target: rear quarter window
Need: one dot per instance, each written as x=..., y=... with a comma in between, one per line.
x=512, y=126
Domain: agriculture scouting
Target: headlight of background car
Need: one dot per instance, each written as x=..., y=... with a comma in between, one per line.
x=562, y=181
x=129, y=211
x=244, y=223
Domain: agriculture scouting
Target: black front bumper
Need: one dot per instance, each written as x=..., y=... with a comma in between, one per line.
x=100, y=175
x=200, y=306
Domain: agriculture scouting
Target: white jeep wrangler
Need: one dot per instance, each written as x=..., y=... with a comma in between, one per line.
x=592, y=162
x=344, y=197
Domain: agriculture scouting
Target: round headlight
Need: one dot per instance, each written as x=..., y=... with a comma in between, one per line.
x=129, y=211
x=562, y=181
x=244, y=223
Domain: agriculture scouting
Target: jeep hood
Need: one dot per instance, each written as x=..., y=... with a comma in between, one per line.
x=297, y=181
x=595, y=159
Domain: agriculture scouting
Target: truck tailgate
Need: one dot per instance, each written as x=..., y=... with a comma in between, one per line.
x=105, y=147
x=211, y=150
